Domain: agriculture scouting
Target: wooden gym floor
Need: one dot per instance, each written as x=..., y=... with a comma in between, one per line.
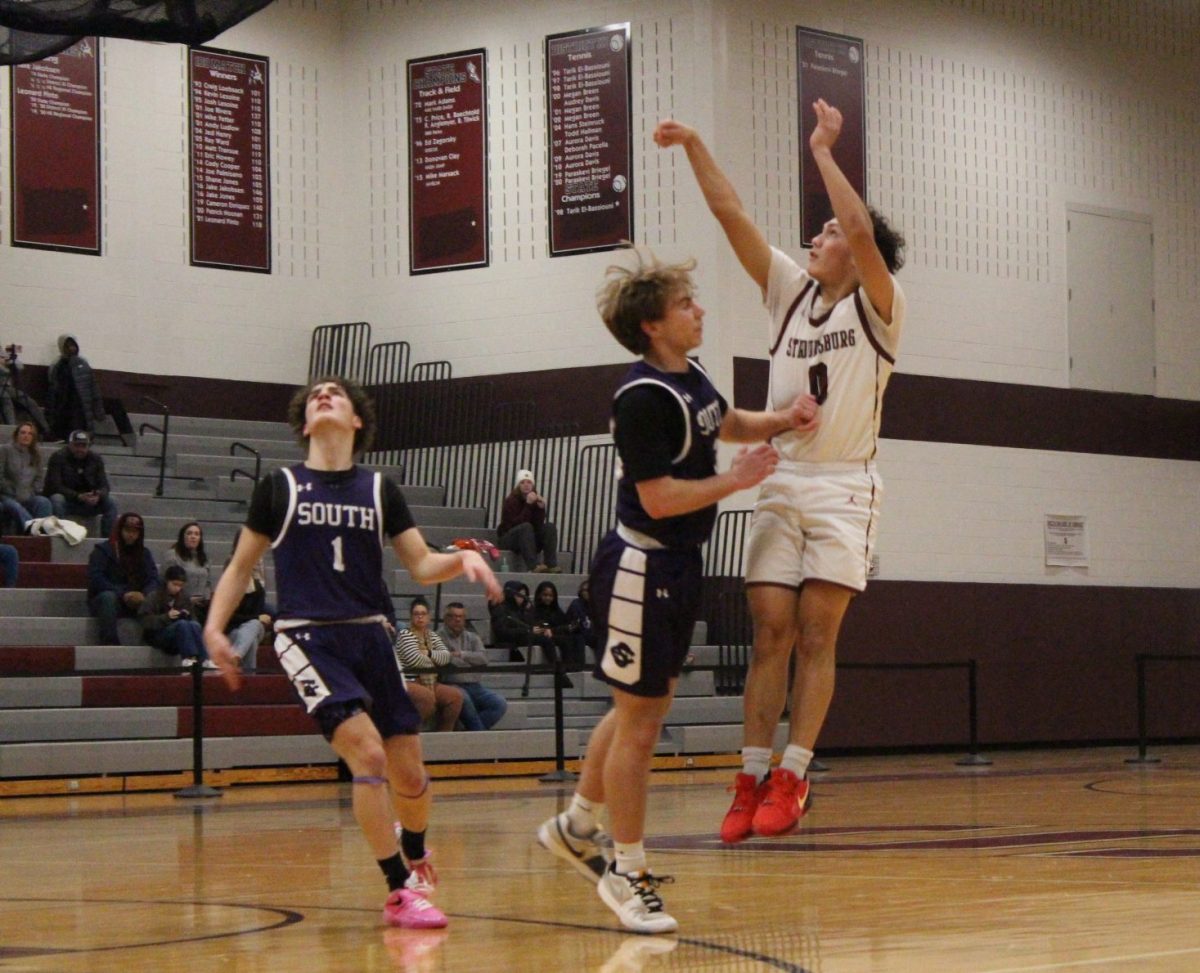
x=1050, y=860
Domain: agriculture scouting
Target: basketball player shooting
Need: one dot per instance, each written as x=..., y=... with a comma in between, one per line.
x=835, y=330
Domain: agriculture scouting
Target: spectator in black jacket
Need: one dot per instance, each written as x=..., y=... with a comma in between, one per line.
x=121, y=573
x=583, y=632
x=77, y=484
x=75, y=401
x=515, y=626
x=549, y=620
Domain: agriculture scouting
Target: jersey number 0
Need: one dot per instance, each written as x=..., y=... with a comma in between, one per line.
x=818, y=382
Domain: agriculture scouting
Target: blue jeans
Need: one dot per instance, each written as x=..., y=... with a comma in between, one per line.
x=26, y=510
x=482, y=707
x=183, y=638
x=8, y=564
x=106, y=508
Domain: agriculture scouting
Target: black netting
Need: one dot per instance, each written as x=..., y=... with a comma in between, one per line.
x=178, y=21
x=20, y=47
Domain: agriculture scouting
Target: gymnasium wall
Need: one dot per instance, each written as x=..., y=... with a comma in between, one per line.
x=986, y=119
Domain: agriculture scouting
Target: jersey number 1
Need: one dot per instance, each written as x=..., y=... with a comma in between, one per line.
x=338, y=563
x=818, y=382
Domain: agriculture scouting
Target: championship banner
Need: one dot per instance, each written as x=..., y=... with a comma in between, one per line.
x=230, y=160
x=830, y=66
x=590, y=146
x=56, y=151
x=447, y=162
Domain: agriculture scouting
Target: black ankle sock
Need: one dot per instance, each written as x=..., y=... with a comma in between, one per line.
x=394, y=871
x=412, y=843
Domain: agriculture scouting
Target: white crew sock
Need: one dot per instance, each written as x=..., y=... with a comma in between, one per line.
x=630, y=857
x=582, y=816
x=756, y=761
x=796, y=759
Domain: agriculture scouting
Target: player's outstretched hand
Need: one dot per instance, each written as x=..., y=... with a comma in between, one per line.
x=221, y=652
x=804, y=415
x=829, y=125
x=670, y=132
x=751, y=466
x=475, y=568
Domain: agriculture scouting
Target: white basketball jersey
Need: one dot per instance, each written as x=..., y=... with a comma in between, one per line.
x=842, y=355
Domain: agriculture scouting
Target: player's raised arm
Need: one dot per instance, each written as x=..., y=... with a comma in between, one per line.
x=747, y=240
x=433, y=567
x=851, y=212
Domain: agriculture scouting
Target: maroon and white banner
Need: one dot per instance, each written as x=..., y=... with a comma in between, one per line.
x=56, y=150
x=230, y=160
x=830, y=66
x=591, y=159
x=447, y=167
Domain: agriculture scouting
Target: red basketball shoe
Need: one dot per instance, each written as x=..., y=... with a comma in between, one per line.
x=785, y=801
x=747, y=795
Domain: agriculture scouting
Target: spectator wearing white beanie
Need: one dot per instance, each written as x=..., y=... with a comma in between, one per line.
x=524, y=529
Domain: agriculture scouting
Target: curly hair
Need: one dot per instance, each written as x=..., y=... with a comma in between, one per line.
x=631, y=296
x=364, y=408
x=888, y=239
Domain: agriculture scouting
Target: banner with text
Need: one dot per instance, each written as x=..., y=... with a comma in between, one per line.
x=830, y=67
x=56, y=150
x=230, y=162
x=591, y=158
x=447, y=162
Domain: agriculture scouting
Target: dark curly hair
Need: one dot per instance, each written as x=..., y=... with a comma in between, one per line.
x=889, y=240
x=364, y=408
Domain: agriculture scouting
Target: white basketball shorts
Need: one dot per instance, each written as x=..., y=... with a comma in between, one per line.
x=814, y=521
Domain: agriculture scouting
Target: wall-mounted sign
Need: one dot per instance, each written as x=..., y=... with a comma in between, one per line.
x=591, y=162
x=230, y=161
x=1066, y=540
x=447, y=162
x=830, y=66
x=56, y=150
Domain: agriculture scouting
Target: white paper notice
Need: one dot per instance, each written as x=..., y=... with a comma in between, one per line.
x=1066, y=540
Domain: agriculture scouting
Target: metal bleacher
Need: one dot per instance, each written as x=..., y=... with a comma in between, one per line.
x=64, y=713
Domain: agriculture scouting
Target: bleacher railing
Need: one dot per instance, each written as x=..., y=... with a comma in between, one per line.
x=162, y=431
x=340, y=349
x=235, y=473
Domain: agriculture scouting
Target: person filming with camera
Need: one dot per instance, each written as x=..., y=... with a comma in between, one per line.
x=13, y=399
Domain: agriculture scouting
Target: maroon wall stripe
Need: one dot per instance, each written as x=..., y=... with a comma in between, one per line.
x=918, y=407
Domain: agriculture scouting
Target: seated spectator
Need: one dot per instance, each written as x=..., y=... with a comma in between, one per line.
x=525, y=530
x=10, y=560
x=419, y=652
x=250, y=620
x=13, y=399
x=77, y=483
x=167, y=622
x=550, y=621
x=121, y=573
x=188, y=553
x=21, y=478
x=583, y=632
x=514, y=626
x=482, y=707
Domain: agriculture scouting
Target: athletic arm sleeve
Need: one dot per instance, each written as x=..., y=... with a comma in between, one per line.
x=649, y=432
x=268, y=505
x=397, y=518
